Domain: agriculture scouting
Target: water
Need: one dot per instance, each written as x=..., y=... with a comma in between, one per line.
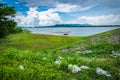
x=71, y=31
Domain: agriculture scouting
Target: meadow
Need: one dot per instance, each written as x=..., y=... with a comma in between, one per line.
x=27, y=56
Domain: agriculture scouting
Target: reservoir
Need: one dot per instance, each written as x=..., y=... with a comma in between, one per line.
x=70, y=31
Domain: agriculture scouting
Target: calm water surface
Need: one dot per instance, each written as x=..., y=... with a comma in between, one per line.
x=72, y=31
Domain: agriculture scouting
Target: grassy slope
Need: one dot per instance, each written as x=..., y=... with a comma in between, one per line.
x=102, y=40
x=30, y=51
x=37, y=42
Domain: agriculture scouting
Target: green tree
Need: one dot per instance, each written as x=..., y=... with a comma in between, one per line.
x=7, y=24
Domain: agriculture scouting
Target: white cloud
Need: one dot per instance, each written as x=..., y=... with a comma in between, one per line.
x=66, y=8
x=82, y=3
x=16, y=2
x=35, y=18
x=44, y=18
x=29, y=20
x=48, y=18
x=52, y=17
x=110, y=19
x=70, y=8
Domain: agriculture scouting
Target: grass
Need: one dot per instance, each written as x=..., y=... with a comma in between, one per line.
x=37, y=42
x=38, y=53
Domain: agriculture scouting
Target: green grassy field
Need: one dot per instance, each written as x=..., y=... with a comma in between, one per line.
x=27, y=56
x=26, y=40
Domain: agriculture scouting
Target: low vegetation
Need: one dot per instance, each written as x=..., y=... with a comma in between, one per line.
x=26, y=56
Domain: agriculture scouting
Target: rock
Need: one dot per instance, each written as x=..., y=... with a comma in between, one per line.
x=86, y=51
x=66, y=50
x=102, y=72
x=84, y=67
x=115, y=38
x=115, y=54
x=75, y=69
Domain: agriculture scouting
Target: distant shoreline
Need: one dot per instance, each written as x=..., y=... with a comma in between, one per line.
x=67, y=26
x=70, y=25
x=70, y=31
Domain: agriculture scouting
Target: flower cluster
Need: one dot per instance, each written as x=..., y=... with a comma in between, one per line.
x=76, y=69
x=44, y=58
x=58, y=60
x=21, y=67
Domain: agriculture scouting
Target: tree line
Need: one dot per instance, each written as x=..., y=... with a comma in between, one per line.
x=7, y=24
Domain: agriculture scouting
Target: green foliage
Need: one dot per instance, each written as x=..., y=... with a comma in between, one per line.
x=6, y=10
x=41, y=42
x=37, y=68
x=17, y=30
x=7, y=25
x=104, y=47
x=3, y=31
x=37, y=54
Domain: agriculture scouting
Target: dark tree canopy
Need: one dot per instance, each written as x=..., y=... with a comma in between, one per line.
x=7, y=24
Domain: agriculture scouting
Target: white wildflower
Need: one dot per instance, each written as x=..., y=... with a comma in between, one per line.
x=75, y=69
x=60, y=57
x=88, y=51
x=101, y=71
x=57, y=62
x=70, y=66
x=21, y=67
x=84, y=67
x=44, y=58
x=78, y=52
x=74, y=79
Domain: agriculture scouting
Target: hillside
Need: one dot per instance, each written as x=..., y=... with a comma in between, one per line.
x=110, y=37
x=27, y=56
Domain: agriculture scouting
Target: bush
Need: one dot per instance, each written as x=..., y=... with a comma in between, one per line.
x=3, y=31
x=7, y=25
x=17, y=30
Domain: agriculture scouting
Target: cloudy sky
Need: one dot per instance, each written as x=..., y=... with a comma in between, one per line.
x=51, y=12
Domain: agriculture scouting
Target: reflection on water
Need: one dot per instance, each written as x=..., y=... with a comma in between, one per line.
x=71, y=31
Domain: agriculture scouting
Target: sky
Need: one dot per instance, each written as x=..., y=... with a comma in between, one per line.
x=32, y=13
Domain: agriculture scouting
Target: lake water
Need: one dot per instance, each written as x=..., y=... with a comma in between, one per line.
x=71, y=31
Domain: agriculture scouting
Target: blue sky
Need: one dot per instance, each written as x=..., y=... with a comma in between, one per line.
x=51, y=12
